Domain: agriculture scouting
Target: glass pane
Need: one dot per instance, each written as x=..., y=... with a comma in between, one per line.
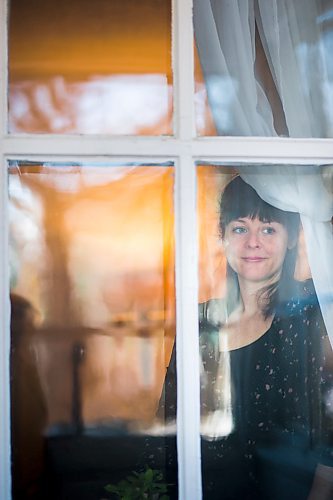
x=90, y=67
x=264, y=68
x=266, y=358
x=92, y=325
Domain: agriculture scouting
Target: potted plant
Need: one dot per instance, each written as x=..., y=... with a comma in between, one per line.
x=148, y=484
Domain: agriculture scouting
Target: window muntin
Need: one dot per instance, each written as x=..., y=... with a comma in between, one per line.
x=102, y=68
x=93, y=320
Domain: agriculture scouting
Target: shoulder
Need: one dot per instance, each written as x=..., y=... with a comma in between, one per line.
x=211, y=317
x=302, y=311
x=212, y=312
x=303, y=300
x=307, y=292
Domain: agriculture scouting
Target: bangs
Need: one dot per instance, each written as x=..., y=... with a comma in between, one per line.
x=240, y=200
x=253, y=208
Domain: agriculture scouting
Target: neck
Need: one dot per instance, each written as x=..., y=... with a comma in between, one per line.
x=250, y=294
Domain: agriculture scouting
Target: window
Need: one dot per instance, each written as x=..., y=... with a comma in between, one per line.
x=96, y=74
x=92, y=323
x=60, y=146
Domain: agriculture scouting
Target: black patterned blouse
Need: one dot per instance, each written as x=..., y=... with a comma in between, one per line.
x=280, y=405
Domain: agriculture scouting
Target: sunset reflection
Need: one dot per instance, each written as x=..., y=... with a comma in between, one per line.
x=92, y=251
x=90, y=68
x=117, y=105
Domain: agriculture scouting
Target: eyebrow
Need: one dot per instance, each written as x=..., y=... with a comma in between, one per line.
x=243, y=221
x=239, y=220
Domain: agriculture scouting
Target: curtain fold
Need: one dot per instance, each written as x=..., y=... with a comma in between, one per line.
x=293, y=45
x=301, y=189
x=225, y=37
x=296, y=51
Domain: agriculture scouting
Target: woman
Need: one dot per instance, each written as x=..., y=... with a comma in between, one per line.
x=265, y=356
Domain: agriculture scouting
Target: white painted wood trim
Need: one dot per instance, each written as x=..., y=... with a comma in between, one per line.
x=188, y=374
x=5, y=461
x=183, y=67
x=5, y=464
x=187, y=330
x=242, y=149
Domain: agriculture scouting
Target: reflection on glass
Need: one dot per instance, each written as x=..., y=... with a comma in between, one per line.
x=266, y=358
x=92, y=68
x=92, y=292
x=260, y=74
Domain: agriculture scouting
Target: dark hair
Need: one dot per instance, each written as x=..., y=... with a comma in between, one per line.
x=239, y=200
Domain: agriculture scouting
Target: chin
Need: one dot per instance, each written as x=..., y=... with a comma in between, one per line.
x=264, y=279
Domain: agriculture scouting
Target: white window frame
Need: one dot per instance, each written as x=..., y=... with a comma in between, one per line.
x=184, y=149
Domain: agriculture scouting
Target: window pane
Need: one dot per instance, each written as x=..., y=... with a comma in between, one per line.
x=266, y=359
x=90, y=67
x=264, y=68
x=92, y=325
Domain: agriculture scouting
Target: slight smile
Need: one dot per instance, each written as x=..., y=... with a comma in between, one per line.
x=254, y=259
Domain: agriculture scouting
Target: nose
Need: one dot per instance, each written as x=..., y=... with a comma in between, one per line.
x=253, y=240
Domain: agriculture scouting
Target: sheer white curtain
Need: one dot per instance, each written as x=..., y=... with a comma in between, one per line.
x=293, y=39
x=232, y=37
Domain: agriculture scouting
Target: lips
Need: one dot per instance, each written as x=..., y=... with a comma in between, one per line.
x=254, y=259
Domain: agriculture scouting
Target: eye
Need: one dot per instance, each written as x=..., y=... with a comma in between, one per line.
x=239, y=230
x=268, y=230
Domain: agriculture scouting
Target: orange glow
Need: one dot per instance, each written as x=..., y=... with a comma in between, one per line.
x=90, y=67
x=204, y=118
x=92, y=251
x=89, y=38
x=211, y=259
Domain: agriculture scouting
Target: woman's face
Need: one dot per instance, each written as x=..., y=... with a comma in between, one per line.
x=255, y=250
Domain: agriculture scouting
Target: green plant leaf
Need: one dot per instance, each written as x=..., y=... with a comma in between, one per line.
x=149, y=475
x=161, y=488
x=111, y=488
x=147, y=484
